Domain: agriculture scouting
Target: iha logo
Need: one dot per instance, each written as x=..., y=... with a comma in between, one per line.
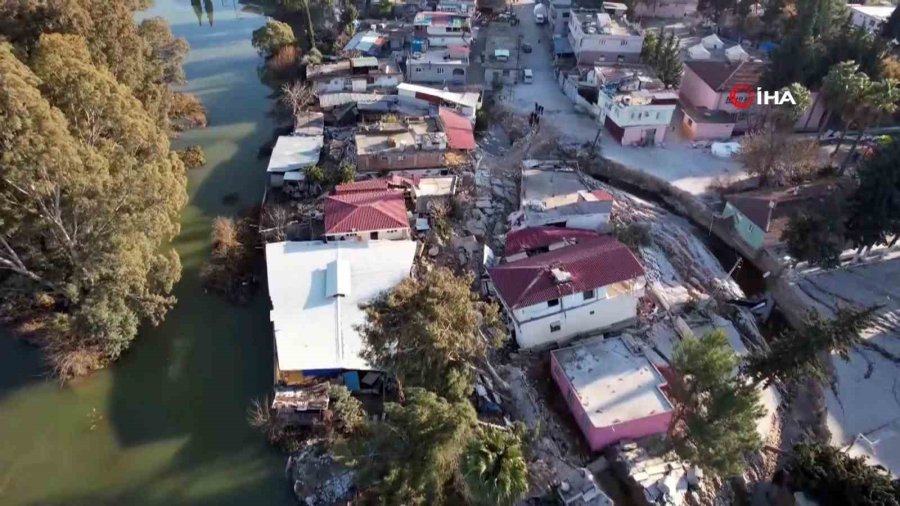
x=743, y=96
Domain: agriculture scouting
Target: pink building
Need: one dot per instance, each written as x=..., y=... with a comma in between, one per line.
x=708, y=111
x=613, y=390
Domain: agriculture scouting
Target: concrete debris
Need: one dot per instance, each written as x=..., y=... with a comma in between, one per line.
x=579, y=488
x=319, y=480
x=660, y=480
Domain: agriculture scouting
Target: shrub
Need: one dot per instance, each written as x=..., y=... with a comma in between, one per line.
x=633, y=235
x=282, y=66
x=229, y=269
x=832, y=477
x=268, y=39
x=348, y=416
x=192, y=157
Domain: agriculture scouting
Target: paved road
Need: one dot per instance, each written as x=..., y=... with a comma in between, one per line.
x=690, y=169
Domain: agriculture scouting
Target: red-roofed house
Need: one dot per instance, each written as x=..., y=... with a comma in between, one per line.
x=366, y=185
x=459, y=130
x=705, y=99
x=366, y=215
x=531, y=241
x=552, y=297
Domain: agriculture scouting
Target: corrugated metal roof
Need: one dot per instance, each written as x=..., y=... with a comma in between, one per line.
x=292, y=152
x=459, y=130
x=315, y=331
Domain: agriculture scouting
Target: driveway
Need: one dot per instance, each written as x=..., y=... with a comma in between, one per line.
x=677, y=162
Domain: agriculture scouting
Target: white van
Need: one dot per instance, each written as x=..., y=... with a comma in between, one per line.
x=527, y=76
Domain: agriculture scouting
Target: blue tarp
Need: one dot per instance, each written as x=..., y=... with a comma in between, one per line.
x=767, y=47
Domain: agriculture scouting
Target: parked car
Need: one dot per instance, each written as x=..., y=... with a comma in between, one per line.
x=526, y=48
x=527, y=76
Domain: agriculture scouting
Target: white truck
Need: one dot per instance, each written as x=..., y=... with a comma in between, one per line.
x=540, y=14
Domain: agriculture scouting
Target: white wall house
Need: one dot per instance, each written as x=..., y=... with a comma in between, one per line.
x=560, y=14
x=637, y=109
x=580, y=289
x=552, y=193
x=870, y=17
x=442, y=29
x=598, y=37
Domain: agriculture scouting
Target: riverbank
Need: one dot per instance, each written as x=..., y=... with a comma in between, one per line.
x=167, y=424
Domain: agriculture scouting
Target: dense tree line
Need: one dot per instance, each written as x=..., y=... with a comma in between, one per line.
x=91, y=192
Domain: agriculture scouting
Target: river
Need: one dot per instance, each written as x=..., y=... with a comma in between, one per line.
x=166, y=425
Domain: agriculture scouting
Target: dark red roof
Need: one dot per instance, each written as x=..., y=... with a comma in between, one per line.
x=722, y=76
x=593, y=263
x=364, y=211
x=531, y=238
x=366, y=185
x=459, y=130
x=603, y=195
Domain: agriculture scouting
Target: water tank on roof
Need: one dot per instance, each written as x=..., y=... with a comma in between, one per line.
x=603, y=19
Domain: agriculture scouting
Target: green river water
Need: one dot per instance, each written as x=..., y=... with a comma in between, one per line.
x=167, y=424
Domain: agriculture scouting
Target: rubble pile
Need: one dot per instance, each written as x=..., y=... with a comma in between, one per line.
x=319, y=480
x=661, y=481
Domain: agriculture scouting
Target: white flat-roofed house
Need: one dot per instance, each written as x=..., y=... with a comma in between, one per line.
x=466, y=103
x=550, y=298
x=291, y=156
x=637, y=107
x=553, y=194
x=870, y=17
x=316, y=289
x=357, y=75
x=442, y=29
x=613, y=390
x=445, y=66
x=598, y=37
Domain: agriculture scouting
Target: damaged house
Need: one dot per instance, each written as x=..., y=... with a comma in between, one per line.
x=552, y=297
x=316, y=290
x=553, y=194
x=414, y=143
x=613, y=390
x=359, y=75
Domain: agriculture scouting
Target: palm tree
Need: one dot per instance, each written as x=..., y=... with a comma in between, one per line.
x=843, y=87
x=879, y=100
x=494, y=469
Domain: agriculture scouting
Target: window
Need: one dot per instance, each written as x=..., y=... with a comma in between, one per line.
x=657, y=114
x=555, y=326
x=418, y=69
x=552, y=302
x=373, y=235
x=623, y=43
x=440, y=70
x=565, y=15
x=459, y=72
x=588, y=294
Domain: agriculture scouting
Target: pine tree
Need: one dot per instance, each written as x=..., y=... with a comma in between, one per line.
x=427, y=331
x=874, y=208
x=817, y=236
x=797, y=354
x=413, y=456
x=831, y=476
x=714, y=422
